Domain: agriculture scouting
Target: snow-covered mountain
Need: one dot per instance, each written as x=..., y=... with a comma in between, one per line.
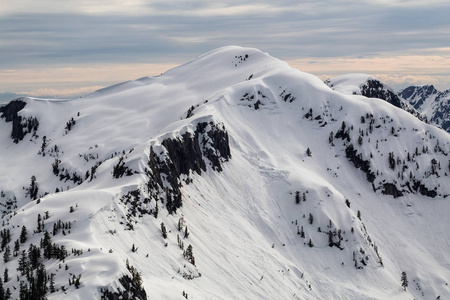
x=233, y=176
x=435, y=105
x=370, y=87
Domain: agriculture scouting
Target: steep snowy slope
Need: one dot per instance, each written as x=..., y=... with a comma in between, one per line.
x=230, y=177
x=433, y=104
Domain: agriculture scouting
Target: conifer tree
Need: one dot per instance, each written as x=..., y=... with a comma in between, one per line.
x=163, y=230
x=23, y=235
x=2, y=290
x=6, y=254
x=189, y=255
x=404, y=280
x=6, y=275
x=297, y=197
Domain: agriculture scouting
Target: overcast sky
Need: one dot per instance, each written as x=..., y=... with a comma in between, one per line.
x=72, y=47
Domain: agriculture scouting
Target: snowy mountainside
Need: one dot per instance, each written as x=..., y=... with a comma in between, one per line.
x=368, y=86
x=433, y=104
x=233, y=176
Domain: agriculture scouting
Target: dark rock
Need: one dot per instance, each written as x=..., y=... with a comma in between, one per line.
x=191, y=152
x=20, y=126
x=391, y=189
x=359, y=162
x=375, y=89
x=422, y=189
x=130, y=292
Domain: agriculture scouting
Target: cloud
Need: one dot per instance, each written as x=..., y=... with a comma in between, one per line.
x=62, y=92
x=58, y=34
x=75, y=80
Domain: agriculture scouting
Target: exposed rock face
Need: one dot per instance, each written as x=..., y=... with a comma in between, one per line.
x=183, y=155
x=359, y=163
x=431, y=102
x=10, y=114
x=417, y=95
x=391, y=189
x=375, y=89
x=20, y=126
x=422, y=189
x=441, y=111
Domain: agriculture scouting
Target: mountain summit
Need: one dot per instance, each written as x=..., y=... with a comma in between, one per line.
x=232, y=176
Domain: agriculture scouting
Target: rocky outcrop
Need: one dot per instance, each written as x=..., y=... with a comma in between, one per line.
x=359, y=162
x=208, y=145
x=391, y=189
x=130, y=292
x=20, y=126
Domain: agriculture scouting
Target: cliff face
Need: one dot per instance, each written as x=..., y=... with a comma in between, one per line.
x=191, y=152
x=20, y=126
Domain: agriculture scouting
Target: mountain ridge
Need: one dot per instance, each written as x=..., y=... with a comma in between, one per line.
x=269, y=176
x=432, y=103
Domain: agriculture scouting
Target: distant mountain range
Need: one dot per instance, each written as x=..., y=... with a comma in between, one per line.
x=424, y=102
x=433, y=104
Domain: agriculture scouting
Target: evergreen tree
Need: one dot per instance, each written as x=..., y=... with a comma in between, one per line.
x=6, y=275
x=6, y=254
x=39, y=224
x=308, y=152
x=310, y=219
x=46, y=245
x=16, y=248
x=23, y=235
x=33, y=189
x=7, y=294
x=330, y=238
x=297, y=197
x=404, y=280
x=23, y=263
x=189, y=255
x=2, y=290
x=34, y=256
x=41, y=281
x=163, y=230
x=77, y=281
x=52, y=283
x=23, y=291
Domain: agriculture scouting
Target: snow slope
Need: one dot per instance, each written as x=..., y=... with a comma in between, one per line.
x=287, y=189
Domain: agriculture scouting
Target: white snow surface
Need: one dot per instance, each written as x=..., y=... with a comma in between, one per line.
x=243, y=221
x=349, y=84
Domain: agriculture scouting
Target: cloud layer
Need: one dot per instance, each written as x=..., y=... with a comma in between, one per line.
x=388, y=37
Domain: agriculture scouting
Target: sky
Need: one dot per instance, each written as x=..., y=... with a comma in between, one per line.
x=71, y=48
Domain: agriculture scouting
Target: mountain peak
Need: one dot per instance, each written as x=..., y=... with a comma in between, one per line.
x=226, y=177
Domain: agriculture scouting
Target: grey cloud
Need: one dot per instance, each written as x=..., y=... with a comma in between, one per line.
x=169, y=32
